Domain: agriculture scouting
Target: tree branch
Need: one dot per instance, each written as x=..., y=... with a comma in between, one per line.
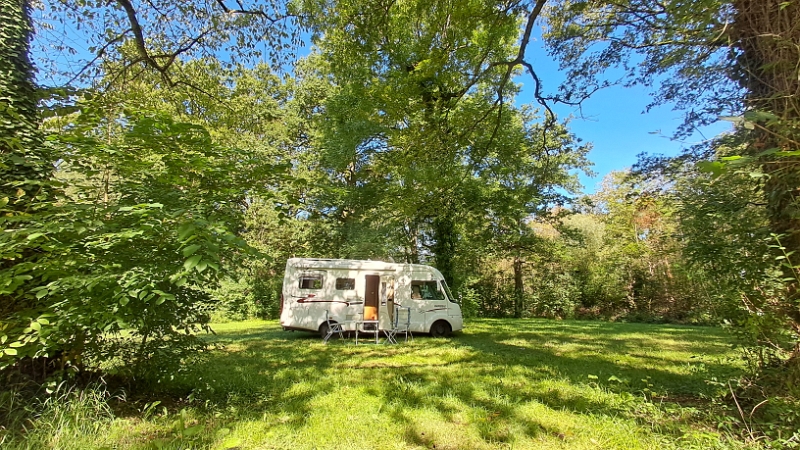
x=138, y=35
x=150, y=59
x=520, y=60
x=100, y=53
x=253, y=12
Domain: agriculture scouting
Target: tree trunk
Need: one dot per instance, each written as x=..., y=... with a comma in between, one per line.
x=444, y=232
x=519, y=288
x=412, y=243
x=769, y=41
x=21, y=154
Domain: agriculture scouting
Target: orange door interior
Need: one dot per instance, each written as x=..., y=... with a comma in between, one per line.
x=371, y=295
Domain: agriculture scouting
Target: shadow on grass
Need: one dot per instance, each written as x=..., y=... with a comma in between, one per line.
x=488, y=372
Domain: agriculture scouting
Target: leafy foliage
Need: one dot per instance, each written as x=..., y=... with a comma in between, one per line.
x=420, y=142
x=737, y=58
x=23, y=162
x=398, y=138
x=149, y=217
x=158, y=34
x=684, y=47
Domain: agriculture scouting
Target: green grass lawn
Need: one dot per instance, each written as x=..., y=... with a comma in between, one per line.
x=517, y=384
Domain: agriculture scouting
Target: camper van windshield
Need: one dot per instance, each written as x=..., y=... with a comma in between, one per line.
x=447, y=290
x=426, y=290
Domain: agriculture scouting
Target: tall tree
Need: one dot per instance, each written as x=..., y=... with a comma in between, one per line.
x=25, y=185
x=709, y=57
x=423, y=110
x=767, y=38
x=23, y=161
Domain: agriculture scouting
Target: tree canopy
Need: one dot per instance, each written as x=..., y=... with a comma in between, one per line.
x=164, y=172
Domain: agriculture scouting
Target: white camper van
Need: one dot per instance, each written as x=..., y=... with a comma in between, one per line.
x=351, y=290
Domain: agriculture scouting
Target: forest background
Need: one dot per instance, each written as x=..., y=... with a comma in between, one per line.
x=176, y=168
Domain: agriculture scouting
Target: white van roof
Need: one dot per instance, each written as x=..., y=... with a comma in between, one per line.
x=323, y=263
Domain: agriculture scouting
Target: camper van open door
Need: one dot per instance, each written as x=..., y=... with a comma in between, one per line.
x=386, y=310
x=372, y=285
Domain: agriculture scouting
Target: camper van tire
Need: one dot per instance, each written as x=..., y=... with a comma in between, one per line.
x=441, y=328
x=323, y=330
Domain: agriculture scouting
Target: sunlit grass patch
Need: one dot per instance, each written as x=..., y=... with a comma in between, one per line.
x=525, y=384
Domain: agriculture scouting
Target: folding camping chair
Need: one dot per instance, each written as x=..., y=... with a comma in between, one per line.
x=333, y=327
x=400, y=325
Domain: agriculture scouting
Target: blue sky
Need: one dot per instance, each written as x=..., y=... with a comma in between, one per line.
x=614, y=120
x=619, y=129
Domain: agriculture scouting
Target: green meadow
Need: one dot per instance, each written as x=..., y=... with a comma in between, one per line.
x=515, y=384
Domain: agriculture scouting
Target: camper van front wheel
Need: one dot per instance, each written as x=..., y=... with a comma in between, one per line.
x=323, y=330
x=440, y=328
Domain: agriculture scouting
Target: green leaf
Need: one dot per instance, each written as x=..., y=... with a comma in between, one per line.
x=185, y=231
x=191, y=262
x=188, y=251
x=3, y=201
x=34, y=236
x=36, y=326
x=201, y=266
x=760, y=116
x=10, y=351
x=732, y=119
x=716, y=168
x=124, y=301
x=769, y=151
x=192, y=431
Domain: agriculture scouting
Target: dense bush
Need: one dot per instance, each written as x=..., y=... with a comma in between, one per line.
x=128, y=245
x=248, y=298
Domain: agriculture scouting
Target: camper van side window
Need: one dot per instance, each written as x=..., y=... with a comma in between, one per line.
x=345, y=284
x=311, y=281
x=426, y=290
